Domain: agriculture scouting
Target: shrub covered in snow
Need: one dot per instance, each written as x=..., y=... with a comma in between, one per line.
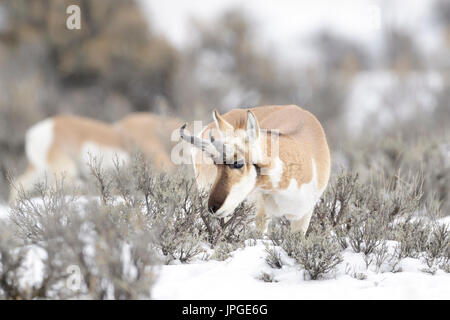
x=364, y=218
x=437, y=249
x=317, y=253
x=89, y=248
x=60, y=244
x=106, y=245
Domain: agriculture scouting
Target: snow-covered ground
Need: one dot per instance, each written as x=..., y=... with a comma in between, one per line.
x=4, y=210
x=238, y=278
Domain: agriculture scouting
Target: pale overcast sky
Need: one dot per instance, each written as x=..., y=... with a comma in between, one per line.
x=284, y=23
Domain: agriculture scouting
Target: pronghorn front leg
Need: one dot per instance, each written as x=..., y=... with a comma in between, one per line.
x=261, y=220
x=300, y=224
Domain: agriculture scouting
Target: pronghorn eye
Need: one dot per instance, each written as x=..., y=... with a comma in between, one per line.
x=237, y=164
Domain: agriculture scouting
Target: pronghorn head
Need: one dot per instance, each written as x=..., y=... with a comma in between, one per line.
x=237, y=155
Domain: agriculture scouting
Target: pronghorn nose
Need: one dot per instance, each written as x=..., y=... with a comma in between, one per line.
x=214, y=205
x=213, y=209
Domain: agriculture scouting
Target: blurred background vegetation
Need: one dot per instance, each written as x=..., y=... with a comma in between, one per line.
x=386, y=111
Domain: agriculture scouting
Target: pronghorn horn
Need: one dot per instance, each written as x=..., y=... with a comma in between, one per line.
x=202, y=144
x=216, y=143
x=196, y=141
x=188, y=138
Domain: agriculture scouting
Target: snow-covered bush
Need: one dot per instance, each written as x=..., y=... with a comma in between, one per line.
x=437, y=249
x=317, y=253
x=90, y=249
x=360, y=214
x=364, y=218
x=178, y=212
x=273, y=258
x=166, y=208
x=223, y=250
x=266, y=277
x=11, y=259
x=412, y=236
x=334, y=207
x=107, y=245
x=397, y=154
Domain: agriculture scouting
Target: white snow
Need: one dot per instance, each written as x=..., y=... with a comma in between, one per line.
x=32, y=269
x=4, y=211
x=237, y=278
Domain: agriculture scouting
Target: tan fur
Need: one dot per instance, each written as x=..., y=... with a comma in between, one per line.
x=302, y=137
x=70, y=132
x=150, y=134
x=261, y=219
x=301, y=140
x=64, y=154
x=143, y=132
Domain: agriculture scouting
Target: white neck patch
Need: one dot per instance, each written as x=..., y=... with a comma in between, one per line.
x=275, y=172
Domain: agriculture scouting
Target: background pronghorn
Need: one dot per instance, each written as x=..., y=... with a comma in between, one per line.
x=62, y=145
x=150, y=134
x=240, y=162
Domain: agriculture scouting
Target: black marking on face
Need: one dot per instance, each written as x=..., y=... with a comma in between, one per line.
x=238, y=164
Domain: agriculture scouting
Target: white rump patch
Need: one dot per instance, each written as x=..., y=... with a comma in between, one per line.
x=38, y=140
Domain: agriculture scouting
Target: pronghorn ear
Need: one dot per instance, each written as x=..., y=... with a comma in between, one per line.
x=221, y=123
x=252, y=126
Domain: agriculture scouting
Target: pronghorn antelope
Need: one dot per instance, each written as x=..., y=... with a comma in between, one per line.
x=235, y=157
x=63, y=145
